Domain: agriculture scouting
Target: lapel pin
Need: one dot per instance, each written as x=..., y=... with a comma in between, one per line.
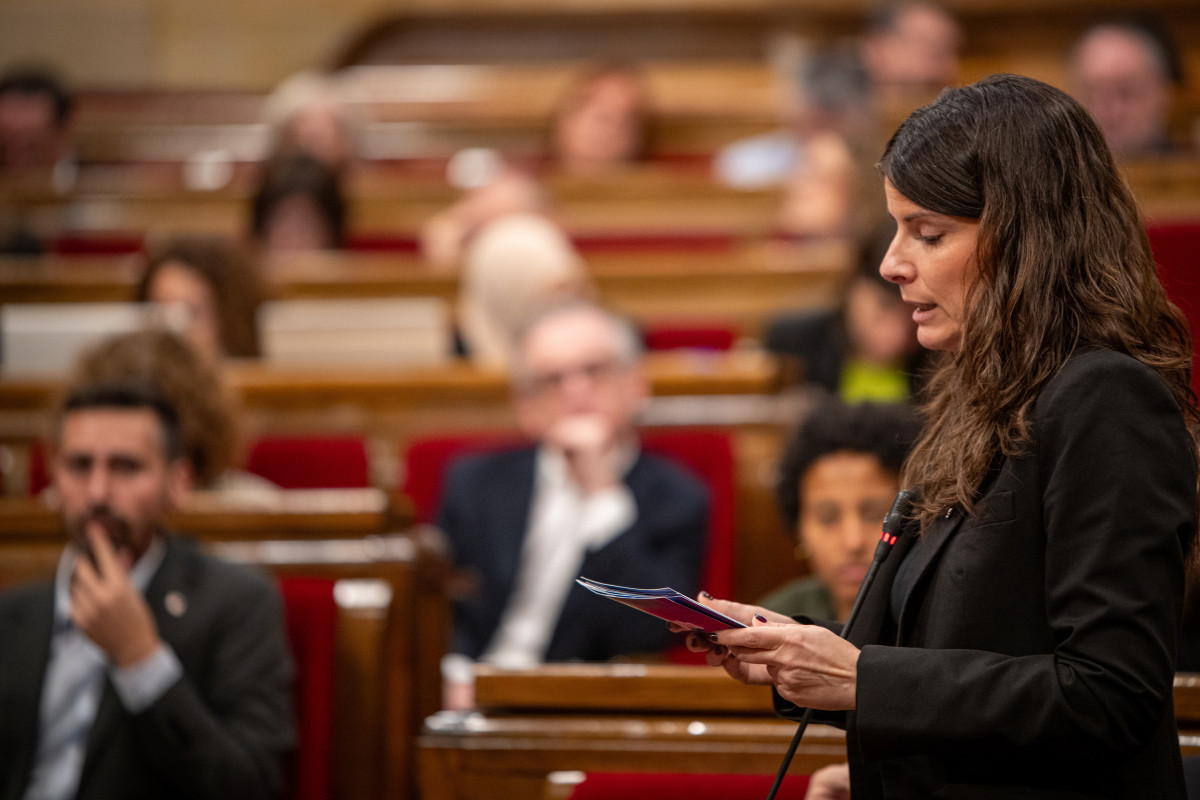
x=175, y=603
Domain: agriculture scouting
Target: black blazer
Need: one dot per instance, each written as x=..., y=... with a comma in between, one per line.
x=1035, y=650
x=485, y=514
x=223, y=731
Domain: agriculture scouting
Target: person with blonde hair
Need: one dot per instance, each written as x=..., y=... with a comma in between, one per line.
x=312, y=113
x=513, y=266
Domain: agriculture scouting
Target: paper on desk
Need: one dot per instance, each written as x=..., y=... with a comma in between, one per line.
x=665, y=604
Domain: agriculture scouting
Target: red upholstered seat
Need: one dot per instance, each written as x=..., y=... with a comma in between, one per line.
x=698, y=335
x=427, y=458
x=1176, y=249
x=316, y=462
x=311, y=617
x=685, y=786
x=707, y=453
x=112, y=243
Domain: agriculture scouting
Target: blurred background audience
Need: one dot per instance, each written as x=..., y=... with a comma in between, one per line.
x=600, y=126
x=513, y=266
x=35, y=122
x=866, y=347
x=310, y=113
x=1125, y=71
x=208, y=414
x=602, y=122
x=217, y=287
x=581, y=500
x=299, y=206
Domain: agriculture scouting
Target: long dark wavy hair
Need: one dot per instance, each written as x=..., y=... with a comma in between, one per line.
x=1064, y=262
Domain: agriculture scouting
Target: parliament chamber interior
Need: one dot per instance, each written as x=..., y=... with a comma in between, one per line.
x=360, y=379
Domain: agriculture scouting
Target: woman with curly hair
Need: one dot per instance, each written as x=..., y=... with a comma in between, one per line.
x=207, y=412
x=218, y=288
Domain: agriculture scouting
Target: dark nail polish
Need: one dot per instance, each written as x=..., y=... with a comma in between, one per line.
x=760, y=618
x=706, y=595
x=712, y=637
x=719, y=649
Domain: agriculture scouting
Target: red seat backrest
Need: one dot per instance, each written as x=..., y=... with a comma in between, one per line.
x=311, y=462
x=310, y=612
x=684, y=786
x=701, y=335
x=1176, y=249
x=428, y=457
x=707, y=453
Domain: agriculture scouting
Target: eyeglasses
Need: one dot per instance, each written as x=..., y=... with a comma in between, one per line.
x=553, y=382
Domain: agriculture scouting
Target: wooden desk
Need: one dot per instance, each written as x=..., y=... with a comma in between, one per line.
x=633, y=718
x=616, y=718
x=291, y=514
x=743, y=285
x=650, y=198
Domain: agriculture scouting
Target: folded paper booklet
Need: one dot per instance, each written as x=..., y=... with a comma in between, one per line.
x=665, y=604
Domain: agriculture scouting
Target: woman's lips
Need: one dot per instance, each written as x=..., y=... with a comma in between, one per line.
x=923, y=312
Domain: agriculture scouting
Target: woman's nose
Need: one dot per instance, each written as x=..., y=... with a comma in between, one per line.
x=895, y=267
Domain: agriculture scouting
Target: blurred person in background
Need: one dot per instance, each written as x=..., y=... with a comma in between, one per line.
x=911, y=51
x=35, y=122
x=311, y=113
x=217, y=286
x=600, y=125
x=145, y=668
x=299, y=206
x=602, y=122
x=36, y=144
x=823, y=191
x=846, y=97
x=864, y=349
x=582, y=499
x=513, y=266
x=839, y=474
x=1125, y=72
x=208, y=415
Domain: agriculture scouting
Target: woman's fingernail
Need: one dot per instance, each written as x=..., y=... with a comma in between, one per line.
x=706, y=595
x=760, y=618
x=719, y=649
x=712, y=637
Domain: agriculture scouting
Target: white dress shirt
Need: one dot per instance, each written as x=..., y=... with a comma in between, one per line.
x=564, y=525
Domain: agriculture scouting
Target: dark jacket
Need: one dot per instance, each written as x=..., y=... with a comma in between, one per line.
x=485, y=514
x=1035, y=649
x=223, y=731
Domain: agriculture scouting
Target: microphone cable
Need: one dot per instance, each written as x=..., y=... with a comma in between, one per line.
x=893, y=527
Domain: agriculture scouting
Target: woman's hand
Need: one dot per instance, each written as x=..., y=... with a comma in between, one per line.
x=807, y=664
x=718, y=655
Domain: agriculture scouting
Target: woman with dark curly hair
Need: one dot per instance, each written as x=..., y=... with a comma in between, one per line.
x=839, y=473
x=207, y=412
x=1023, y=642
x=218, y=288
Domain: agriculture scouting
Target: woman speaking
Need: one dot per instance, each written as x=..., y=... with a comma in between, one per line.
x=1021, y=642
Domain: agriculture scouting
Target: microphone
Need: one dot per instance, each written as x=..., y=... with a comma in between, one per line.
x=892, y=529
